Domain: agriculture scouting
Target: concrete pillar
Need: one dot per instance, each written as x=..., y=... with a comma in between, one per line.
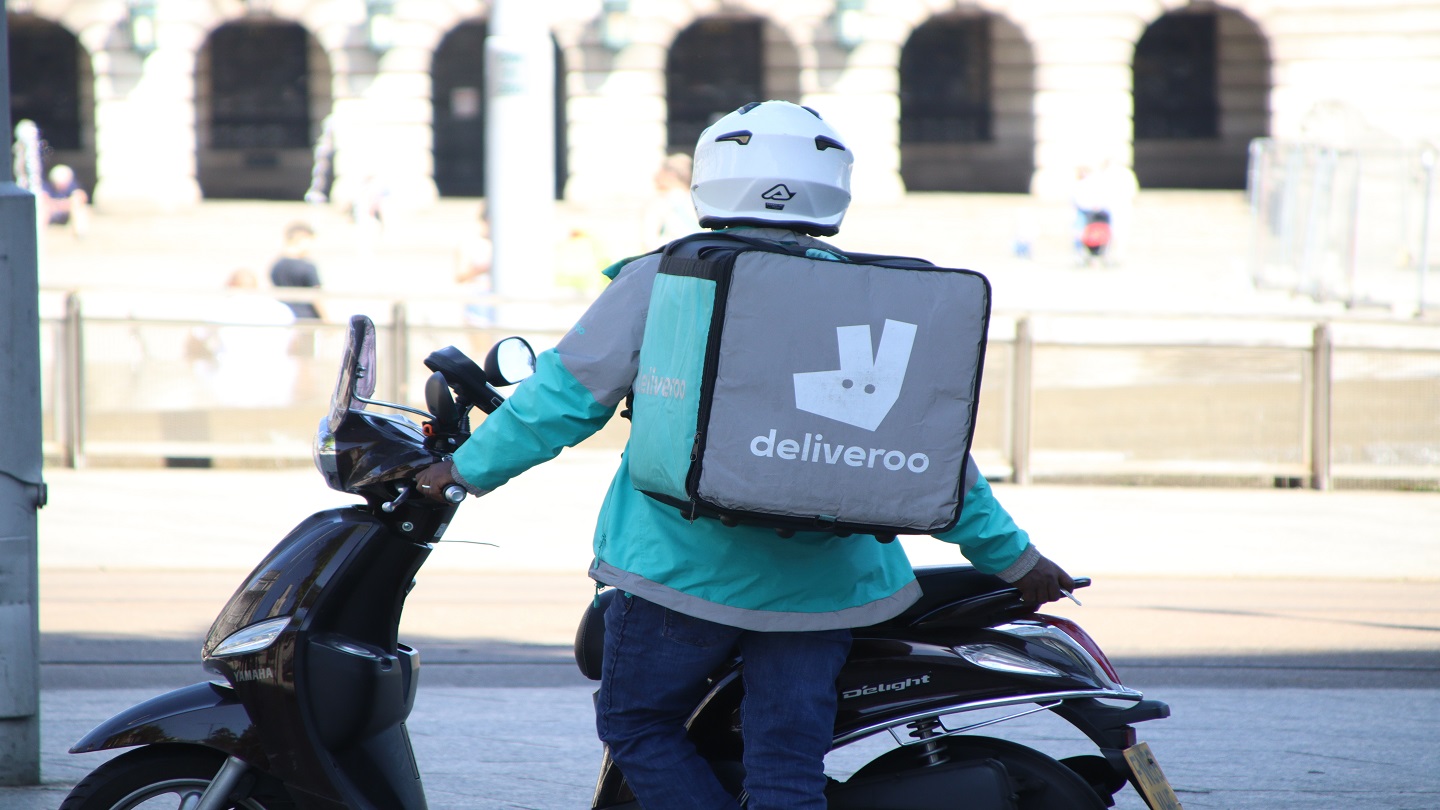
x=21, y=490
x=382, y=117
x=856, y=90
x=861, y=100
x=1084, y=111
x=520, y=148
x=610, y=92
x=145, y=125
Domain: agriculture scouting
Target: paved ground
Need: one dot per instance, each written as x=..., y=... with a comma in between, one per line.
x=535, y=748
x=1296, y=634
x=1277, y=638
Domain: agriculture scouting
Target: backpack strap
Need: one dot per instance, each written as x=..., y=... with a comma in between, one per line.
x=696, y=245
x=888, y=261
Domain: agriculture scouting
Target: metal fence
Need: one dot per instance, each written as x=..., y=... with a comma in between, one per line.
x=1065, y=397
x=1349, y=225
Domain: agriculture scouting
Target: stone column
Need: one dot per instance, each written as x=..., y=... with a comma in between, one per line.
x=860, y=97
x=616, y=116
x=1084, y=111
x=381, y=113
x=145, y=122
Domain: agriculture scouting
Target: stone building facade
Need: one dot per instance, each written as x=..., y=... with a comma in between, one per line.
x=161, y=103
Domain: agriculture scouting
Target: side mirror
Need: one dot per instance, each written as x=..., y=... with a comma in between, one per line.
x=510, y=361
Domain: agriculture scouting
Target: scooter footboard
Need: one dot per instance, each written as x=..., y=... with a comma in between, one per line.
x=204, y=714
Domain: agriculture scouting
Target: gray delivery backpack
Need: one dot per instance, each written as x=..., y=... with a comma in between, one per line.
x=781, y=387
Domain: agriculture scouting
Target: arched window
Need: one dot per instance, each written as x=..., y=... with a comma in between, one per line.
x=1176, y=95
x=263, y=91
x=259, y=87
x=45, y=87
x=945, y=82
x=50, y=85
x=967, y=86
x=714, y=66
x=457, y=87
x=1202, y=88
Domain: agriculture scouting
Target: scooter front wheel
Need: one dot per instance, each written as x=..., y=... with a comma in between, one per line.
x=164, y=777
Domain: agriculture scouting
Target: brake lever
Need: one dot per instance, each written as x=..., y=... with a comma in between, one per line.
x=404, y=491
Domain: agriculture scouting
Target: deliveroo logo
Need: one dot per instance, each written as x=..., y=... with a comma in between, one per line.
x=865, y=387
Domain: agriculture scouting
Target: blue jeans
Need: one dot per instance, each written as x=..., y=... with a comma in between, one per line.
x=656, y=664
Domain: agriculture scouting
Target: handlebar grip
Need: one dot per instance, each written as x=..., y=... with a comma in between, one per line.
x=454, y=493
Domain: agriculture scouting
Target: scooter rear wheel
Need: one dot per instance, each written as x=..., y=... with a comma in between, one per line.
x=164, y=777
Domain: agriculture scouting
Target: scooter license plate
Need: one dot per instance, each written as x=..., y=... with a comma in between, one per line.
x=1149, y=779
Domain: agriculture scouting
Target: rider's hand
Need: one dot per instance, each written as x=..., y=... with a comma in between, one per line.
x=433, y=480
x=1044, y=582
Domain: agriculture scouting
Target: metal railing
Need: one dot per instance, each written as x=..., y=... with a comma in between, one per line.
x=1083, y=397
x=1353, y=225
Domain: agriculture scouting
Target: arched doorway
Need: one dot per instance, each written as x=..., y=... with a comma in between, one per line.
x=52, y=84
x=457, y=95
x=718, y=64
x=263, y=92
x=1202, y=88
x=966, y=123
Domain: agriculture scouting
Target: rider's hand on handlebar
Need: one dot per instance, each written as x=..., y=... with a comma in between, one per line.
x=433, y=480
x=1044, y=582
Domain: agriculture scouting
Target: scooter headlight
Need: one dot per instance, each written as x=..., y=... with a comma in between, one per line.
x=251, y=639
x=323, y=451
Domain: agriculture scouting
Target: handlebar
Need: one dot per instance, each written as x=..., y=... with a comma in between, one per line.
x=452, y=494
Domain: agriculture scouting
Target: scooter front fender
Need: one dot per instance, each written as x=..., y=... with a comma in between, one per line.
x=203, y=714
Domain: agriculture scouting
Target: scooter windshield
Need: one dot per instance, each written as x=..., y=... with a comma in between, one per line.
x=357, y=371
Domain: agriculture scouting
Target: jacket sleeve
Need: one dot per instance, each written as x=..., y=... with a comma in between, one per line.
x=986, y=533
x=574, y=391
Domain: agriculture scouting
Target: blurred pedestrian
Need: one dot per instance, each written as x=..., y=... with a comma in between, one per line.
x=322, y=174
x=1091, y=224
x=580, y=259
x=367, y=208
x=244, y=358
x=1120, y=189
x=670, y=214
x=25, y=154
x=1026, y=234
x=65, y=202
x=473, y=259
x=296, y=268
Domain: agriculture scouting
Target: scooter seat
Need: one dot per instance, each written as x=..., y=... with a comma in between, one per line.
x=942, y=586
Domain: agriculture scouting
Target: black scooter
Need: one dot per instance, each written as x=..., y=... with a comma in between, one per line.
x=315, y=687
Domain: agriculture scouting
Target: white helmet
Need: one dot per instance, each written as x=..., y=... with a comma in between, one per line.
x=772, y=164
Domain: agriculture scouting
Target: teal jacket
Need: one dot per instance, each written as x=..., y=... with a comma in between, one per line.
x=741, y=576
